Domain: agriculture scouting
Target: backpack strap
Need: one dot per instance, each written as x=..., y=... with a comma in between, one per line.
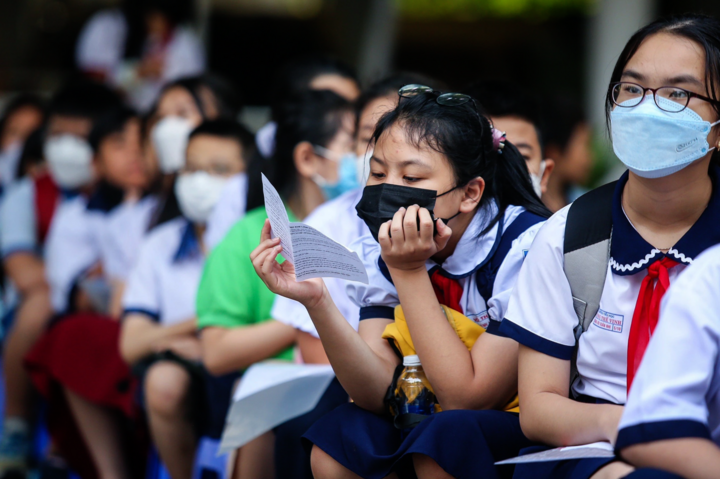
x=588, y=231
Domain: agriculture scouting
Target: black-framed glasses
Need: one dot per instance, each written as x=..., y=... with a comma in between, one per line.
x=445, y=99
x=667, y=98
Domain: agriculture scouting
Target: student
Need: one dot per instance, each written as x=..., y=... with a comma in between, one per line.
x=141, y=46
x=567, y=137
x=76, y=364
x=181, y=107
x=517, y=113
x=671, y=418
x=311, y=73
x=159, y=330
x=299, y=75
x=480, y=185
x=233, y=306
x=22, y=115
x=646, y=228
x=338, y=219
x=26, y=213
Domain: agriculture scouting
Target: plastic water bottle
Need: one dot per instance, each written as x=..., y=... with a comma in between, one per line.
x=414, y=394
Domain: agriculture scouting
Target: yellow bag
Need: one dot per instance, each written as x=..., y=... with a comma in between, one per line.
x=467, y=330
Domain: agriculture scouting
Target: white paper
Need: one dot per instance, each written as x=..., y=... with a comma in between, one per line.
x=270, y=394
x=279, y=221
x=594, y=450
x=313, y=254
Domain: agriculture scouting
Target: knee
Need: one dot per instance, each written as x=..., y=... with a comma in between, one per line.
x=166, y=389
x=324, y=466
x=426, y=467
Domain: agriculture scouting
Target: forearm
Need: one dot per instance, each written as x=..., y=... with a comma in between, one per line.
x=363, y=373
x=692, y=458
x=311, y=349
x=228, y=350
x=140, y=337
x=449, y=368
x=560, y=421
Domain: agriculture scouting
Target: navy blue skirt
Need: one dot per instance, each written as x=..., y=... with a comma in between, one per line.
x=464, y=443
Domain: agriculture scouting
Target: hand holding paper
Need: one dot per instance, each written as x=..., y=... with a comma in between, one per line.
x=313, y=254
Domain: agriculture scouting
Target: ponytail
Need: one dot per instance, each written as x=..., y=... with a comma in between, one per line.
x=513, y=185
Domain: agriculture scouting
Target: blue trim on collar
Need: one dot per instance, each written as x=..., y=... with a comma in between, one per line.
x=630, y=253
x=105, y=198
x=189, y=245
x=536, y=342
x=659, y=431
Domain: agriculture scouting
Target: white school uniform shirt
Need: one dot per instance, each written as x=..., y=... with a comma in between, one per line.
x=85, y=232
x=164, y=282
x=338, y=220
x=229, y=209
x=472, y=253
x=101, y=47
x=676, y=391
x=126, y=228
x=541, y=315
x=18, y=222
x=70, y=249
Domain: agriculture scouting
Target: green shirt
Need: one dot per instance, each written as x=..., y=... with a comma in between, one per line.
x=231, y=294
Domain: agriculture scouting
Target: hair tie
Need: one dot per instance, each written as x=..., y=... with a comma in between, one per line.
x=499, y=138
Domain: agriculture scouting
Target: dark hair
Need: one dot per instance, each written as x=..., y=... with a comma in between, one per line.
x=32, y=152
x=17, y=103
x=314, y=116
x=464, y=136
x=297, y=75
x=228, y=129
x=83, y=98
x=109, y=123
x=562, y=115
x=701, y=29
x=177, y=12
x=504, y=98
x=390, y=86
x=226, y=98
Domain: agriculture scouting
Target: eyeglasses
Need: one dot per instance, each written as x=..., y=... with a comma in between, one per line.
x=445, y=99
x=629, y=95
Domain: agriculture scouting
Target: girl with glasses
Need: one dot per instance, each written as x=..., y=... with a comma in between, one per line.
x=662, y=111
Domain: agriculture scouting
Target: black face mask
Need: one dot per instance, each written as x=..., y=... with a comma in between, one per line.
x=379, y=203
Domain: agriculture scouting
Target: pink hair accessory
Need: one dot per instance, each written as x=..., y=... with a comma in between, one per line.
x=499, y=138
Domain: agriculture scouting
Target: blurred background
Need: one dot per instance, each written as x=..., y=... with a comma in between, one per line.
x=552, y=47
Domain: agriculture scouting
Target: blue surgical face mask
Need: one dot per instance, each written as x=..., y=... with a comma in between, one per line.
x=654, y=143
x=347, y=175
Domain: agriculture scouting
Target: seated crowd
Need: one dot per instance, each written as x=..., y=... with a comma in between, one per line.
x=142, y=278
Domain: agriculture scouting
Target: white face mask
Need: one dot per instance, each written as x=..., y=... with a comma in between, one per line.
x=170, y=139
x=69, y=158
x=537, y=179
x=197, y=193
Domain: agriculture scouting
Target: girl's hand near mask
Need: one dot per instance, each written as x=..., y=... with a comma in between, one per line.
x=408, y=240
x=280, y=278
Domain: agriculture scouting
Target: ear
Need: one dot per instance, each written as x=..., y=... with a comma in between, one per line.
x=472, y=193
x=305, y=159
x=549, y=167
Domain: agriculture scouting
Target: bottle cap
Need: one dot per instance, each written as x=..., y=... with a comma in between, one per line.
x=413, y=360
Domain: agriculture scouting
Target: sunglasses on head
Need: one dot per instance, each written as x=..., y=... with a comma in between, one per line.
x=445, y=99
